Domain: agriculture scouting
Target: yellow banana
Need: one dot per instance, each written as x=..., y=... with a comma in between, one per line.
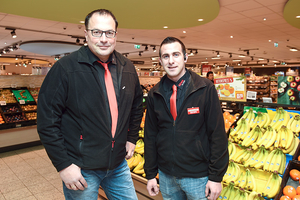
x=136, y=161
x=277, y=140
x=283, y=138
x=289, y=137
x=290, y=149
x=268, y=160
x=229, y=191
x=228, y=172
x=140, y=165
x=272, y=188
x=141, y=171
x=296, y=141
x=253, y=195
x=251, y=138
x=290, y=122
x=254, y=158
x=251, y=183
x=271, y=139
x=233, y=151
x=224, y=190
x=276, y=117
x=267, y=119
x=278, y=161
x=259, y=120
x=282, y=164
x=261, y=159
x=234, y=173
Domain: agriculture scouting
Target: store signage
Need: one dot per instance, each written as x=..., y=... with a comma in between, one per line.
x=275, y=44
x=267, y=99
x=205, y=69
x=251, y=95
x=3, y=103
x=137, y=46
x=231, y=88
x=22, y=101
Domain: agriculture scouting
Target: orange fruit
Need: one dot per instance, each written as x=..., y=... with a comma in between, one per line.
x=225, y=114
x=297, y=197
x=289, y=191
x=295, y=174
x=298, y=190
x=285, y=198
x=299, y=158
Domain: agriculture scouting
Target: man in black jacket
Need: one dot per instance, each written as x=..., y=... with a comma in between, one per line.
x=185, y=139
x=87, y=130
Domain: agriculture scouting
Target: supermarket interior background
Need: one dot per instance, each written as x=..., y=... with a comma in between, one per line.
x=252, y=46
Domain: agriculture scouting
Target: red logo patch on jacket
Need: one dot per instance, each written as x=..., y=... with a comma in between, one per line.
x=194, y=110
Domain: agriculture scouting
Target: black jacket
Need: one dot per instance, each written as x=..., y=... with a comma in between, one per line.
x=73, y=122
x=195, y=145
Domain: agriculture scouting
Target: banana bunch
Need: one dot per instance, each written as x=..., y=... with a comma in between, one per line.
x=268, y=138
x=228, y=192
x=252, y=136
x=242, y=155
x=286, y=137
x=241, y=195
x=134, y=160
x=246, y=181
x=294, y=124
x=281, y=118
x=139, y=147
x=292, y=149
x=258, y=158
x=139, y=169
x=272, y=186
x=248, y=116
x=232, y=173
x=255, y=196
x=231, y=149
x=261, y=120
x=241, y=131
x=275, y=162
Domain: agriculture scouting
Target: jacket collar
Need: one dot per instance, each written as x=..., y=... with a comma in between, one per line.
x=194, y=84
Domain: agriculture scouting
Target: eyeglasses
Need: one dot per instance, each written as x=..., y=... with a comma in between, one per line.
x=98, y=33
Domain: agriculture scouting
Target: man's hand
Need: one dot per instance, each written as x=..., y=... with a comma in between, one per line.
x=213, y=190
x=152, y=187
x=129, y=149
x=73, y=178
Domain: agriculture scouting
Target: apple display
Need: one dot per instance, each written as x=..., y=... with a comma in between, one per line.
x=290, y=79
x=283, y=84
x=293, y=84
x=292, y=98
x=290, y=92
x=297, y=78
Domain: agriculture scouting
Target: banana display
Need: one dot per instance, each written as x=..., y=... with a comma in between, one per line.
x=258, y=144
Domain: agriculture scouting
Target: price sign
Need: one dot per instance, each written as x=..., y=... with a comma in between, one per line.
x=3, y=103
x=251, y=95
x=22, y=101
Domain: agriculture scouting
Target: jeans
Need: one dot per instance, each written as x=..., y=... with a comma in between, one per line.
x=173, y=188
x=116, y=183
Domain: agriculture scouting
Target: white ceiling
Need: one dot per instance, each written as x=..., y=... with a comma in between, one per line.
x=242, y=19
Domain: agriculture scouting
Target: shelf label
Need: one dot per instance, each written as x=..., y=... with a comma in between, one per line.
x=3, y=103
x=22, y=101
x=251, y=95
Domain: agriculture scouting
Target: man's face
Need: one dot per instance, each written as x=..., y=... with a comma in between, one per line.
x=102, y=46
x=172, y=59
x=210, y=77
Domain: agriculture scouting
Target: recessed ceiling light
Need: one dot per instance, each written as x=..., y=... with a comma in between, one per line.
x=270, y=40
x=204, y=62
x=298, y=16
x=81, y=22
x=184, y=31
x=200, y=20
x=293, y=49
x=242, y=56
x=215, y=58
x=231, y=36
x=236, y=60
x=166, y=27
x=264, y=19
x=260, y=59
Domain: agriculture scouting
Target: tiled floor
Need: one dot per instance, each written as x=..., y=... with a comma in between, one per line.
x=28, y=174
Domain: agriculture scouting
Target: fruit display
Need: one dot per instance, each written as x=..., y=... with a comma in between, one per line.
x=289, y=90
x=1, y=120
x=34, y=93
x=12, y=118
x=28, y=107
x=257, y=148
x=23, y=95
x=7, y=96
x=10, y=109
x=259, y=84
x=229, y=119
x=31, y=115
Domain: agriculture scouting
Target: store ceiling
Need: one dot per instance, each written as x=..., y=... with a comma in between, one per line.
x=141, y=22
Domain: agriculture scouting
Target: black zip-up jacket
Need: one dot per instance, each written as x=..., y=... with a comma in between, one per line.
x=195, y=144
x=73, y=120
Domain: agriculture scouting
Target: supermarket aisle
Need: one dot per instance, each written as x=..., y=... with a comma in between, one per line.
x=28, y=174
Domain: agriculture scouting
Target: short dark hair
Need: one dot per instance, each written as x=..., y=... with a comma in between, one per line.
x=100, y=12
x=169, y=40
x=208, y=73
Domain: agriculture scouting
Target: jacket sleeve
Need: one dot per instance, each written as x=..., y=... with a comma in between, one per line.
x=136, y=113
x=219, y=157
x=150, y=133
x=51, y=105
